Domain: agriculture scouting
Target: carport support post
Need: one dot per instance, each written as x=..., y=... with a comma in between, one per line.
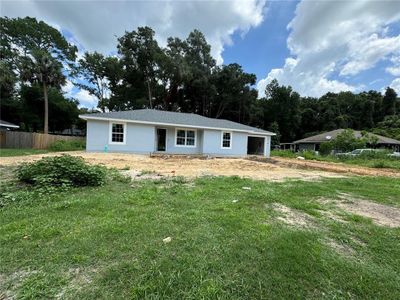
x=266, y=141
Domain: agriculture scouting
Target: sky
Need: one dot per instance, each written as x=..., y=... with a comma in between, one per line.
x=314, y=46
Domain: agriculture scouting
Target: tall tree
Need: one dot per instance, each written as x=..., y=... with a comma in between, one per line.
x=47, y=71
x=389, y=102
x=97, y=72
x=37, y=52
x=198, y=87
x=234, y=94
x=282, y=106
x=140, y=53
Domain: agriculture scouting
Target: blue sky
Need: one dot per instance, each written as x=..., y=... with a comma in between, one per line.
x=264, y=47
x=314, y=46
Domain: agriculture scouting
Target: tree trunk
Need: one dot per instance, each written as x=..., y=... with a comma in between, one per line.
x=149, y=93
x=46, y=109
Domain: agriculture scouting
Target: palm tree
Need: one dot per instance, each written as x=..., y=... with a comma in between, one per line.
x=42, y=68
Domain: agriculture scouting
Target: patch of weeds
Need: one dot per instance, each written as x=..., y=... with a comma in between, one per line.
x=147, y=172
x=179, y=180
x=126, y=168
x=61, y=171
x=116, y=175
x=379, y=164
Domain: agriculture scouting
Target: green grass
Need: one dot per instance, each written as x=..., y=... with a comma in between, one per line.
x=381, y=161
x=4, y=152
x=106, y=242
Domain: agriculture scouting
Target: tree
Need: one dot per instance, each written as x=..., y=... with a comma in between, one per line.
x=43, y=69
x=64, y=111
x=325, y=148
x=140, y=54
x=198, y=87
x=347, y=141
x=97, y=71
x=389, y=102
x=37, y=53
x=234, y=95
x=282, y=105
x=276, y=139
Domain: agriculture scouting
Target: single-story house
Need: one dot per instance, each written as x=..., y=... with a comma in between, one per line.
x=154, y=131
x=4, y=126
x=313, y=142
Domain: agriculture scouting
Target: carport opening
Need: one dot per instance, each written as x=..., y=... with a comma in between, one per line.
x=255, y=145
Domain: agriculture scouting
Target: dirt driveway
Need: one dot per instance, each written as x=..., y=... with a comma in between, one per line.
x=274, y=169
x=188, y=167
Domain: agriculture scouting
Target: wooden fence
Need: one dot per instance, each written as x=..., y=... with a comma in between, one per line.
x=31, y=140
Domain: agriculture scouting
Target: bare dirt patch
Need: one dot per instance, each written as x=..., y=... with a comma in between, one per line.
x=293, y=217
x=384, y=215
x=14, y=280
x=334, y=167
x=340, y=248
x=189, y=167
x=79, y=278
x=328, y=214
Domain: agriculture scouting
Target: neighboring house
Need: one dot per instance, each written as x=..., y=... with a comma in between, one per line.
x=4, y=126
x=313, y=142
x=155, y=131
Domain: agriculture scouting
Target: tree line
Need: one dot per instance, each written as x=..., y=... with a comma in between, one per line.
x=36, y=60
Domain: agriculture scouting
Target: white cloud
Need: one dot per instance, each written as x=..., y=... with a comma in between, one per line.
x=395, y=69
x=366, y=53
x=396, y=85
x=336, y=37
x=85, y=99
x=68, y=88
x=83, y=96
x=95, y=24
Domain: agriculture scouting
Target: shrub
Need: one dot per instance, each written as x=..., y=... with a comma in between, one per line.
x=379, y=164
x=325, y=148
x=283, y=153
x=346, y=141
x=64, y=170
x=63, y=145
x=308, y=154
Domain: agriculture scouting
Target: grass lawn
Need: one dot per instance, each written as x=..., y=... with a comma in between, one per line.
x=4, y=152
x=378, y=162
x=227, y=242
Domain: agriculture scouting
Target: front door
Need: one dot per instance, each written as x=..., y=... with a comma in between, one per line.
x=161, y=139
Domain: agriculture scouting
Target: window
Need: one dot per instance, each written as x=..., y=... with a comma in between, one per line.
x=117, y=133
x=226, y=140
x=185, y=138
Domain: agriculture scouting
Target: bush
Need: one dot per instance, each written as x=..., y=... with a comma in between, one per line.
x=346, y=141
x=64, y=170
x=325, y=148
x=308, y=154
x=379, y=164
x=283, y=153
x=63, y=145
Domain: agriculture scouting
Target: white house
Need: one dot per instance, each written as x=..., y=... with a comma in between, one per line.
x=154, y=131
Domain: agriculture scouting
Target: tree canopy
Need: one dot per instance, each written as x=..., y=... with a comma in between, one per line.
x=180, y=76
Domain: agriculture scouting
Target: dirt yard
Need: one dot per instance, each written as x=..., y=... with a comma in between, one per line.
x=334, y=167
x=187, y=166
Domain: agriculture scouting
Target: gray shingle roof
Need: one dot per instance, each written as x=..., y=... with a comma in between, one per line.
x=175, y=118
x=330, y=135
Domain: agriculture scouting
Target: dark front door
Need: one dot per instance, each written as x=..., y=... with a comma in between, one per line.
x=161, y=139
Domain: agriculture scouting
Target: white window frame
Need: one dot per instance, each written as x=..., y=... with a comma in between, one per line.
x=186, y=130
x=222, y=139
x=110, y=133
